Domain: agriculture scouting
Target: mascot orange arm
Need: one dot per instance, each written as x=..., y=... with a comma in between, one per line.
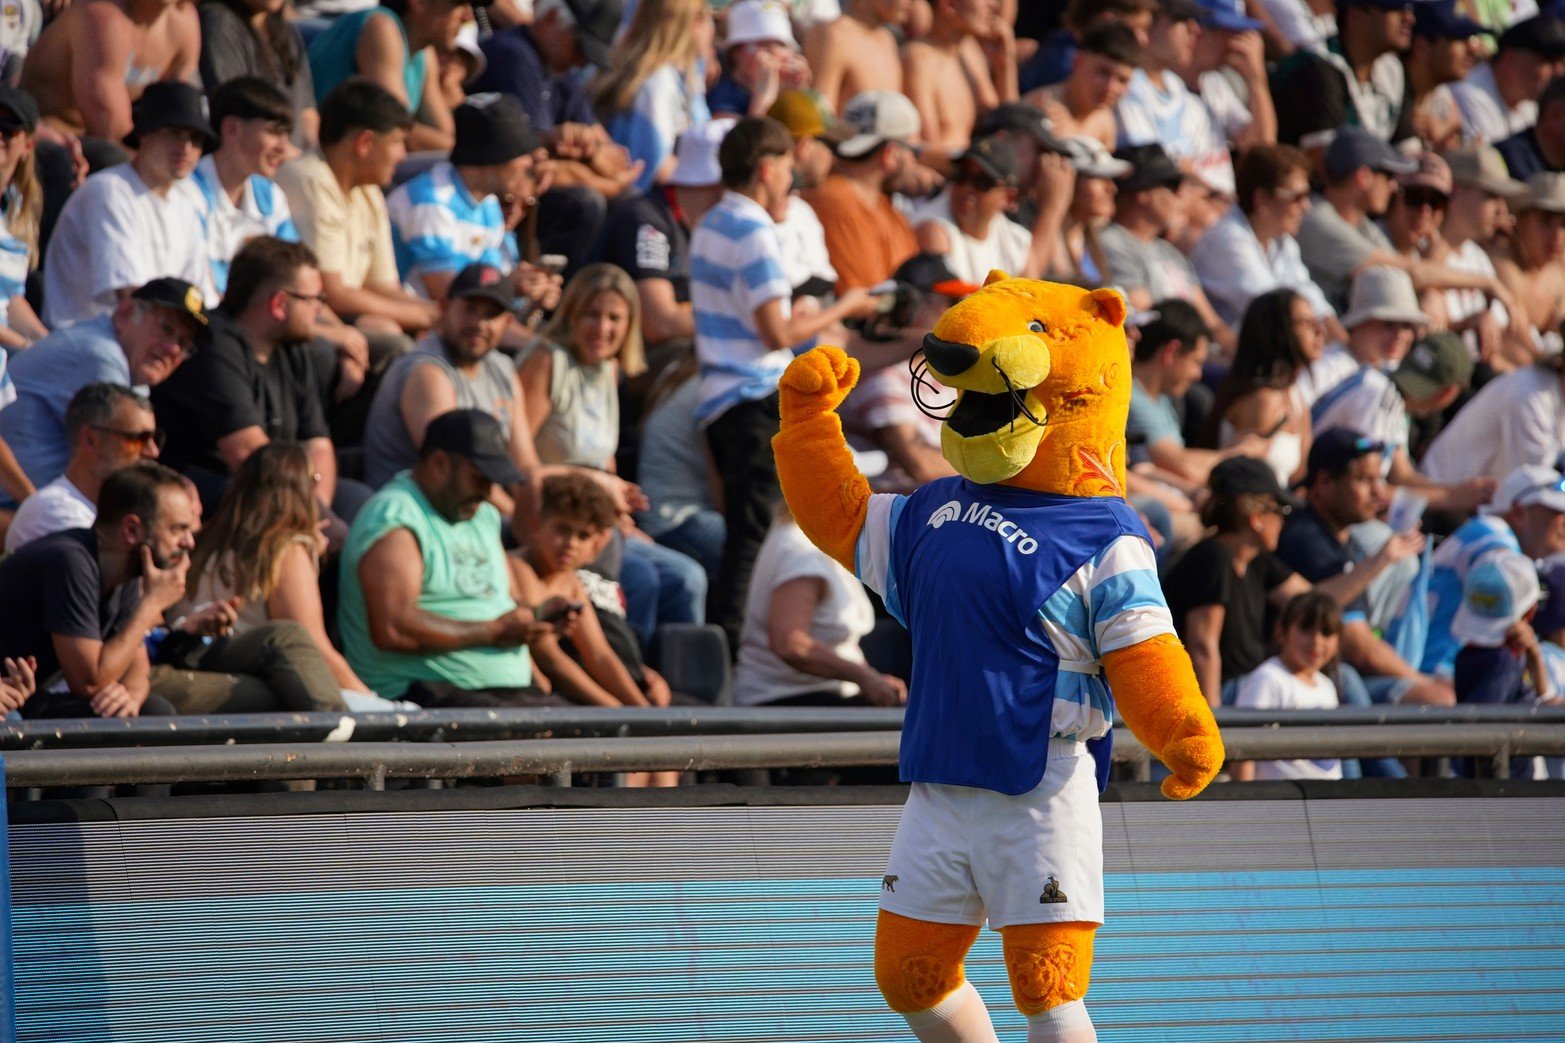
x=821, y=482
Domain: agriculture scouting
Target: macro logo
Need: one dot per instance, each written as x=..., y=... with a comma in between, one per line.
x=981, y=514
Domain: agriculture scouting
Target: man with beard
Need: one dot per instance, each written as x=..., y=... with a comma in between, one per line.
x=428, y=610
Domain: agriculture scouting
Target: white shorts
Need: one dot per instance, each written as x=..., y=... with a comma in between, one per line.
x=962, y=855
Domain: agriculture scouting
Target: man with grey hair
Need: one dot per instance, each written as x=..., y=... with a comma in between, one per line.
x=109, y=426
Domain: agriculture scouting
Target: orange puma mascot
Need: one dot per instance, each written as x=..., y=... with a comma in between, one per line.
x=1031, y=593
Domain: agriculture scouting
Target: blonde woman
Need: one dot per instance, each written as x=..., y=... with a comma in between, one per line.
x=21, y=203
x=655, y=85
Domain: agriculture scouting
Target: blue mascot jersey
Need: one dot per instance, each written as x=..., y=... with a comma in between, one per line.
x=1012, y=598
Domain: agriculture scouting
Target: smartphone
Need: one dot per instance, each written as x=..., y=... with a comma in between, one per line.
x=554, y=264
x=560, y=612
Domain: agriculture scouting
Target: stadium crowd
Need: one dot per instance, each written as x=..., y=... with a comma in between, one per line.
x=426, y=354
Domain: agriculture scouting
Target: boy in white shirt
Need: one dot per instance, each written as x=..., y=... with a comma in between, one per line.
x=1308, y=632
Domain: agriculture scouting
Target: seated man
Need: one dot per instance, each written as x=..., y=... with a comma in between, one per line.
x=1335, y=537
x=1083, y=105
x=428, y=609
x=82, y=601
x=961, y=68
x=858, y=52
x=139, y=344
x=760, y=58
x=966, y=223
x=136, y=221
x=110, y=426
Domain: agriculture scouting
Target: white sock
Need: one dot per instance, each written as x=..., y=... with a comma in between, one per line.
x=1067, y=1023
x=959, y=1018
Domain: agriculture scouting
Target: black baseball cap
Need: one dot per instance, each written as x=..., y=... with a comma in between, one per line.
x=1337, y=447
x=169, y=103
x=1353, y=147
x=483, y=281
x=176, y=295
x=492, y=128
x=1247, y=476
x=995, y=157
x=1543, y=35
x=1440, y=20
x=18, y=110
x=479, y=437
x=1151, y=167
x=931, y=274
x=1014, y=117
x=597, y=22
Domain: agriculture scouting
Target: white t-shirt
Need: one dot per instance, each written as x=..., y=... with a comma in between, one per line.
x=1516, y=419
x=804, y=244
x=1367, y=402
x=54, y=508
x=1271, y=686
x=971, y=260
x=1335, y=365
x=1461, y=305
x=1299, y=25
x=1170, y=114
x=115, y=233
x=843, y=616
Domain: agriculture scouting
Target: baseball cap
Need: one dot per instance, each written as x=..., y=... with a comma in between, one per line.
x=1337, y=447
x=806, y=115
x=695, y=154
x=876, y=117
x=1543, y=35
x=759, y=21
x=1545, y=191
x=1432, y=172
x=994, y=157
x=930, y=273
x=1551, y=609
x=1483, y=167
x=174, y=294
x=597, y=23
x=1440, y=19
x=1015, y=117
x=1181, y=11
x=18, y=110
x=1497, y=593
x=1525, y=486
x=1435, y=363
x=1227, y=15
x=467, y=43
x=483, y=281
x=1150, y=167
x=492, y=128
x=170, y=103
x=1353, y=147
x=1381, y=292
x=479, y=437
x=1246, y=476
x=1092, y=159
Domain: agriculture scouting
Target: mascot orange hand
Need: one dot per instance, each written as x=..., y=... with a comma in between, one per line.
x=822, y=484
x=815, y=383
x=1157, y=694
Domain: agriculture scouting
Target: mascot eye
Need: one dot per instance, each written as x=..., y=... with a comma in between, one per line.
x=1035, y=326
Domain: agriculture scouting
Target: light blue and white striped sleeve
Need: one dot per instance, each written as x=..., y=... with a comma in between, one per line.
x=1125, y=603
x=872, y=553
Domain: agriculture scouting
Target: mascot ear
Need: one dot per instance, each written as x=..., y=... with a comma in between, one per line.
x=995, y=275
x=1108, y=304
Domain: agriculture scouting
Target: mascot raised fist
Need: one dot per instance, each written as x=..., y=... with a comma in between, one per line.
x=1031, y=593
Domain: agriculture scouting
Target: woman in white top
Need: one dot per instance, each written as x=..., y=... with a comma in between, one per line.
x=1308, y=631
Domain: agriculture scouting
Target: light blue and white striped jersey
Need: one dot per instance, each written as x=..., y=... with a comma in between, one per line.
x=1456, y=556
x=735, y=267
x=437, y=226
x=13, y=260
x=7, y=385
x=664, y=108
x=262, y=210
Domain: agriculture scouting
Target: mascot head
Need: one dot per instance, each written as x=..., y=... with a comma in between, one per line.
x=1042, y=372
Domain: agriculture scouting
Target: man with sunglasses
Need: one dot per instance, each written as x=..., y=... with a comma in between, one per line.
x=966, y=223
x=139, y=344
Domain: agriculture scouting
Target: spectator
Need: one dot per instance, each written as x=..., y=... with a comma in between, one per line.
x=254, y=38
x=1141, y=261
x=139, y=344
x=675, y=472
x=803, y=239
x=239, y=199
x=1442, y=54
x=109, y=427
x=1499, y=97
x=136, y=221
x=94, y=61
x=1541, y=147
x=1308, y=632
x=651, y=90
x=1527, y=516
x=1501, y=661
x=1549, y=625
x=1083, y=105
x=1259, y=395
x=1532, y=266
x=858, y=52
x=745, y=332
x=461, y=212
x=1229, y=72
x=1080, y=258
x=337, y=202
x=395, y=46
x=253, y=381
x=1335, y=542
x=1218, y=591
x=263, y=547
x=760, y=60
x=1477, y=208
x=1515, y=419
x=804, y=618
x=1252, y=250
x=20, y=246
x=1048, y=175
x=1056, y=54
x=1359, y=82
x=966, y=223
x=965, y=65
x=428, y=609
x=866, y=237
x=1414, y=216
x=1300, y=25
x=82, y=601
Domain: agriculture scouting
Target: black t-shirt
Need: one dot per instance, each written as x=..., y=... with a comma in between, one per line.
x=643, y=237
x=223, y=388
x=1205, y=576
x=53, y=586
x=1308, y=547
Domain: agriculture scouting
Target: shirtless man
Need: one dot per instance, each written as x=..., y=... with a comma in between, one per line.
x=97, y=57
x=1083, y=105
x=966, y=65
x=857, y=52
x=1533, y=267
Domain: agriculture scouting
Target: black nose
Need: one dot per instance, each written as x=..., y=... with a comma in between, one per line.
x=947, y=357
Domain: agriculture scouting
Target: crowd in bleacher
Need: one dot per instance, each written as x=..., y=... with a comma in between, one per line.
x=356, y=357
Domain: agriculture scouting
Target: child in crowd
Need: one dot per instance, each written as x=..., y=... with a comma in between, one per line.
x=1308, y=631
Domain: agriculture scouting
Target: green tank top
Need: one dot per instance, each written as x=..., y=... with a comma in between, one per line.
x=465, y=578
x=334, y=56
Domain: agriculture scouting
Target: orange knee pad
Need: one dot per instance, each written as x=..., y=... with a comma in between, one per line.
x=1049, y=963
x=918, y=963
